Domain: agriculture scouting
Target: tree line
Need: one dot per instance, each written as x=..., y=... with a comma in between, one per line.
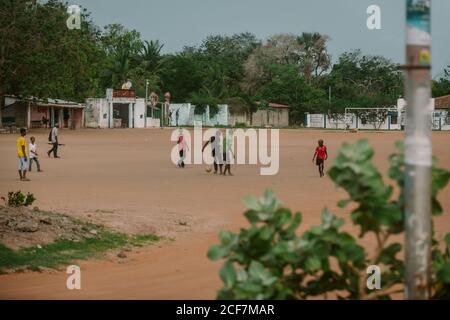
x=41, y=57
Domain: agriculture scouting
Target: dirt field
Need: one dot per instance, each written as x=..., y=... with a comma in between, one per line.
x=125, y=180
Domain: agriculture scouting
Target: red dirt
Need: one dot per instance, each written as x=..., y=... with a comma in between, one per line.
x=125, y=180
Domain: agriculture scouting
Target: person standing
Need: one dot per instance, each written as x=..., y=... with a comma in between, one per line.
x=32, y=148
x=22, y=162
x=182, y=146
x=44, y=121
x=53, y=138
x=320, y=155
x=228, y=152
x=216, y=153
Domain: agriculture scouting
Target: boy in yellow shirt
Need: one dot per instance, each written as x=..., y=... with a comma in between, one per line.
x=22, y=163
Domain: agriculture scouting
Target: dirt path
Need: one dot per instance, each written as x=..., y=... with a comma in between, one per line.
x=125, y=180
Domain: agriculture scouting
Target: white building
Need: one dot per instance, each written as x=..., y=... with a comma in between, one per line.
x=120, y=109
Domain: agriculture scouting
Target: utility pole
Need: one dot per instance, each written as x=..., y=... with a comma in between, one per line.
x=329, y=95
x=418, y=150
x=146, y=101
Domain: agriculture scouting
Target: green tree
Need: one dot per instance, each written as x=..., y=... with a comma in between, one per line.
x=364, y=81
x=288, y=87
x=122, y=48
x=314, y=58
x=40, y=56
x=441, y=87
x=182, y=75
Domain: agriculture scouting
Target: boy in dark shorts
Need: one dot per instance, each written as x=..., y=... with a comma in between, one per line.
x=320, y=155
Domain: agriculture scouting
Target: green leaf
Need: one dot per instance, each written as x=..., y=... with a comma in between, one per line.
x=216, y=252
x=266, y=232
x=252, y=203
x=226, y=237
x=294, y=224
x=313, y=264
x=447, y=239
x=283, y=216
x=256, y=269
x=228, y=275
x=252, y=216
x=343, y=203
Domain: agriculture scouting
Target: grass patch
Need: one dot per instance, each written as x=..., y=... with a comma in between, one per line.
x=64, y=252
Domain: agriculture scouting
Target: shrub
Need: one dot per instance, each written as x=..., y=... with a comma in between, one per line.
x=270, y=260
x=202, y=101
x=18, y=199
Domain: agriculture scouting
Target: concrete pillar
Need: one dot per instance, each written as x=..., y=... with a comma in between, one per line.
x=110, y=114
x=28, y=116
x=52, y=116
x=130, y=115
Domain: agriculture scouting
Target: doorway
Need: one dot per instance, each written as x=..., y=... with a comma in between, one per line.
x=121, y=115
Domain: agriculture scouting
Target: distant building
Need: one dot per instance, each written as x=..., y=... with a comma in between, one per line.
x=276, y=115
x=38, y=113
x=441, y=115
x=119, y=109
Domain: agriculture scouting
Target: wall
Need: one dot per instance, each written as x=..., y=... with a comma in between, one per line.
x=37, y=112
x=139, y=113
x=96, y=113
x=21, y=114
x=441, y=120
x=276, y=118
x=77, y=118
x=349, y=121
x=238, y=118
x=153, y=123
x=187, y=116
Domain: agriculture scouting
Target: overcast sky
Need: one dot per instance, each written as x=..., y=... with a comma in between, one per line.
x=179, y=23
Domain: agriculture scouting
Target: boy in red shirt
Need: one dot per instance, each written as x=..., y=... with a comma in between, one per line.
x=320, y=155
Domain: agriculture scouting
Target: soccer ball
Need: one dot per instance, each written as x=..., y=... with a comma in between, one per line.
x=208, y=169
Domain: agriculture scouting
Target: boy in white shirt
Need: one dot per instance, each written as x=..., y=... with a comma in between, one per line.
x=32, y=149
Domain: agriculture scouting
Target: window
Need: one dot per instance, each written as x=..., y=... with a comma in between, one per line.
x=394, y=119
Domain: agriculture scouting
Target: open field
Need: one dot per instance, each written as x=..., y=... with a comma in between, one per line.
x=125, y=180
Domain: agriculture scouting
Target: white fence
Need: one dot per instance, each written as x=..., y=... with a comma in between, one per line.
x=350, y=121
x=183, y=114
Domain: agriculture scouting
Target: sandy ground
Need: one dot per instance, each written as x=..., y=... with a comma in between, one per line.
x=125, y=180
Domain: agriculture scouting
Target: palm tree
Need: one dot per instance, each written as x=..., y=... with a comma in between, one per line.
x=150, y=55
x=314, y=57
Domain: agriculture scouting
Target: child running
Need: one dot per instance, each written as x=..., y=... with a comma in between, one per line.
x=320, y=156
x=32, y=148
x=182, y=146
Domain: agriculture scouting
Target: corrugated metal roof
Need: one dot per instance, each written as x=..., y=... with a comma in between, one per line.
x=442, y=102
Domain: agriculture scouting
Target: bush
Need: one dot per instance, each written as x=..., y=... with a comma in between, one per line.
x=18, y=199
x=269, y=260
x=201, y=101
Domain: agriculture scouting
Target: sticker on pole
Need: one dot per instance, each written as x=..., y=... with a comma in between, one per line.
x=418, y=22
